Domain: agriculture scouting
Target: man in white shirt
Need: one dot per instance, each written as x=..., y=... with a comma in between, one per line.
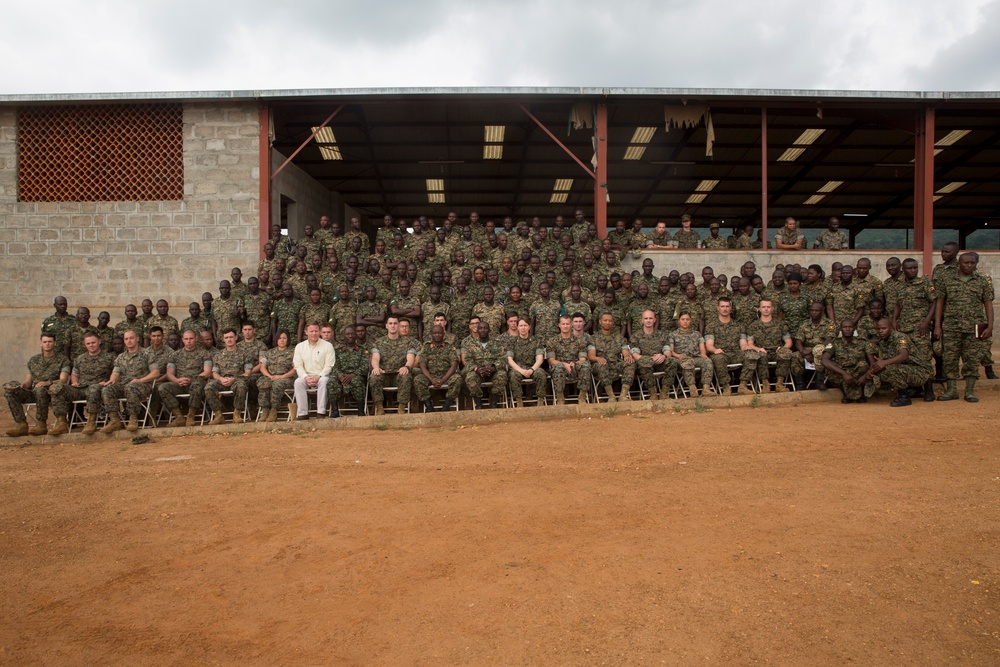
x=314, y=359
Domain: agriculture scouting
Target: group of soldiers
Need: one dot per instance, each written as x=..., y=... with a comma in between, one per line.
x=513, y=309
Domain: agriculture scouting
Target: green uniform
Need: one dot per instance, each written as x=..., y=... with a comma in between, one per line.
x=478, y=354
x=167, y=323
x=714, y=243
x=226, y=314
x=75, y=336
x=392, y=356
x=814, y=337
x=202, y=323
x=353, y=360
x=913, y=372
x=524, y=352
x=60, y=328
x=611, y=347
x=772, y=337
x=725, y=336
x=846, y=299
x=286, y=315
x=258, y=311
x=545, y=315
x=130, y=366
x=794, y=310
x=686, y=240
x=42, y=369
x=850, y=355
x=689, y=344
x=963, y=298
x=190, y=365
x=647, y=345
x=271, y=393
x=915, y=298
x=90, y=371
x=832, y=240
x=437, y=357
x=745, y=308
x=229, y=364
x=569, y=350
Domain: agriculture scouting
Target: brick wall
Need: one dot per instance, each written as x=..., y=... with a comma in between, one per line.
x=107, y=254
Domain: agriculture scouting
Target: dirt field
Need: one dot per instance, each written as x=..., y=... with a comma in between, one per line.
x=804, y=535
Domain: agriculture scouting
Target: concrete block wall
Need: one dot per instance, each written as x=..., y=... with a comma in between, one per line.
x=107, y=254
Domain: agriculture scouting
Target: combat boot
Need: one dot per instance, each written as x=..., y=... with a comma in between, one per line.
x=693, y=388
x=192, y=417
x=519, y=402
x=706, y=390
x=379, y=409
x=271, y=415
x=800, y=380
x=493, y=401
x=821, y=380
x=237, y=416
x=133, y=424
x=447, y=405
x=583, y=397
x=970, y=390
x=59, y=427
x=950, y=392
x=928, y=391
x=20, y=428
x=39, y=428
x=428, y=406
x=624, y=395
x=560, y=398
x=217, y=418
x=765, y=386
x=114, y=424
x=91, y=427
x=990, y=375
x=745, y=388
x=610, y=391
x=779, y=385
x=179, y=418
x=902, y=399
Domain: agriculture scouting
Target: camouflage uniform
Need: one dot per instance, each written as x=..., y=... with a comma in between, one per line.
x=168, y=324
x=75, y=336
x=315, y=314
x=373, y=309
x=229, y=364
x=830, y=240
x=656, y=238
x=689, y=343
x=716, y=243
x=350, y=360
x=61, y=327
x=616, y=311
x=123, y=326
x=963, y=309
x=476, y=354
x=189, y=365
x=850, y=355
x=794, y=311
x=159, y=357
x=546, y=316
x=790, y=237
x=915, y=298
x=524, y=351
x=226, y=316
x=611, y=346
x=42, y=369
x=745, y=308
x=910, y=373
x=203, y=323
x=770, y=336
x=846, y=299
x=90, y=371
x=342, y=314
x=437, y=357
x=258, y=311
x=106, y=334
x=392, y=357
x=725, y=336
x=130, y=366
x=647, y=345
x=569, y=350
x=686, y=240
x=286, y=316
x=271, y=393
x=812, y=337
x=820, y=294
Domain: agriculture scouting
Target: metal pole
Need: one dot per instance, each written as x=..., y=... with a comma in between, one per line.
x=559, y=143
x=763, y=176
x=601, y=180
x=306, y=142
x=264, y=168
x=923, y=188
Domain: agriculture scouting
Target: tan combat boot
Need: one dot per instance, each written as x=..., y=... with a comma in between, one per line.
x=179, y=418
x=217, y=419
x=610, y=391
x=237, y=416
x=133, y=424
x=91, y=427
x=20, y=428
x=560, y=398
x=192, y=417
x=520, y=401
x=706, y=390
x=39, y=428
x=744, y=388
x=59, y=427
x=624, y=395
x=765, y=386
x=270, y=415
x=114, y=424
x=379, y=409
x=693, y=388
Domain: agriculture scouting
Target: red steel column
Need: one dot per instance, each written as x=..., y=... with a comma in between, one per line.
x=264, y=175
x=923, y=188
x=601, y=177
x=763, y=176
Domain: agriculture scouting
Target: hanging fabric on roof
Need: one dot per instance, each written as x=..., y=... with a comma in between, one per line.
x=683, y=115
x=709, y=134
x=582, y=115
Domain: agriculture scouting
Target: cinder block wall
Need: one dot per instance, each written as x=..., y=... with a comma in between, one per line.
x=107, y=254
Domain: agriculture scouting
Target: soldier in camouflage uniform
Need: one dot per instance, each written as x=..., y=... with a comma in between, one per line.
x=567, y=357
x=845, y=359
x=545, y=313
x=74, y=335
x=226, y=310
x=277, y=375
x=790, y=237
x=610, y=306
x=651, y=352
x=810, y=340
x=315, y=311
x=44, y=369
x=59, y=324
x=687, y=346
x=188, y=370
x=792, y=306
x=104, y=331
x=745, y=304
x=257, y=307
x=90, y=369
x=391, y=361
x=610, y=358
x=485, y=361
x=713, y=241
x=832, y=238
x=912, y=310
x=350, y=371
x=525, y=357
x=231, y=369
x=889, y=359
x=867, y=327
x=162, y=319
x=847, y=299
x=767, y=340
x=724, y=342
x=490, y=311
x=132, y=379
x=197, y=322
x=372, y=313
x=438, y=364
x=285, y=314
x=966, y=303
x=686, y=238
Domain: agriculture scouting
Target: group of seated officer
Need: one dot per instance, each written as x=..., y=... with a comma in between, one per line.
x=505, y=327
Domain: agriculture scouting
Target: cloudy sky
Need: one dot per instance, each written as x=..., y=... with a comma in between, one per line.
x=96, y=46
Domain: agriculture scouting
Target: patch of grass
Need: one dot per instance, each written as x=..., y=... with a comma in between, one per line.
x=700, y=407
x=610, y=411
x=676, y=408
x=380, y=426
x=123, y=448
x=755, y=401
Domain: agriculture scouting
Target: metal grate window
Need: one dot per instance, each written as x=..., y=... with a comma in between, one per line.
x=123, y=152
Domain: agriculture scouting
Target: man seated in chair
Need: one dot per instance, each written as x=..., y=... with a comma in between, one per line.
x=132, y=379
x=392, y=361
x=314, y=360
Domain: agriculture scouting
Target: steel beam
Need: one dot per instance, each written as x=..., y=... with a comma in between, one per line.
x=263, y=169
x=601, y=178
x=306, y=142
x=923, y=187
x=558, y=143
x=763, y=176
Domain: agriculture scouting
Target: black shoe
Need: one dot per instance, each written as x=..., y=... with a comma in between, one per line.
x=428, y=405
x=334, y=412
x=301, y=418
x=929, y=393
x=447, y=405
x=821, y=381
x=863, y=399
x=914, y=392
x=939, y=379
x=846, y=400
x=493, y=401
x=900, y=401
x=990, y=375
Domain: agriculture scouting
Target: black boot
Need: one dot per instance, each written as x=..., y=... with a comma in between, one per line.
x=821, y=380
x=800, y=381
x=334, y=411
x=493, y=401
x=928, y=392
x=990, y=375
x=902, y=399
x=938, y=369
x=447, y=405
x=428, y=405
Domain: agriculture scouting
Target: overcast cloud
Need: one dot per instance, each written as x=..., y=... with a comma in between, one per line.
x=93, y=46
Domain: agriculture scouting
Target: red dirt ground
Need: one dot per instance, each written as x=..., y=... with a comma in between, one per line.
x=803, y=535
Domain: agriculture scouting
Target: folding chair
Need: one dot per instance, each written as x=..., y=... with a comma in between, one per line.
x=312, y=409
x=145, y=418
x=644, y=390
x=208, y=414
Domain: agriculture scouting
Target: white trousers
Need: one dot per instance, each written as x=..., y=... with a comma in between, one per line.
x=302, y=396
